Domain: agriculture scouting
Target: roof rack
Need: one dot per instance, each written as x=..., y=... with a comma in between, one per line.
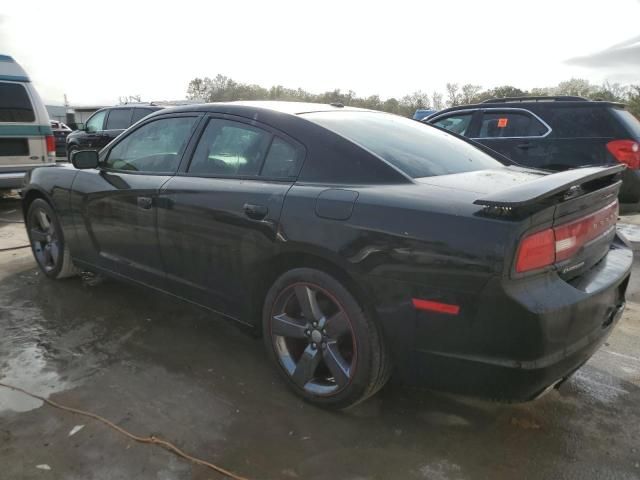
x=542, y=98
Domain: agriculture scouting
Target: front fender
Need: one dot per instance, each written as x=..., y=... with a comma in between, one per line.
x=53, y=184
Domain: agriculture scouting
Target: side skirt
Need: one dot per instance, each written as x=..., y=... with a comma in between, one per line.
x=118, y=276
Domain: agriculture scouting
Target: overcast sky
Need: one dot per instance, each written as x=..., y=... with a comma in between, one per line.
x=97, y=51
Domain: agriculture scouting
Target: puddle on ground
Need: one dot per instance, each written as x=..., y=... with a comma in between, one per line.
x=27, y=369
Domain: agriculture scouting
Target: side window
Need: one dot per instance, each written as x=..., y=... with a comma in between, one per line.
x=457, y=123
x=139, y=114
x=229, y=148
x=15, y=105
x=119, y=119
x=510, y=124
x=154, y=147
x=282, y=160
x=577, y=122
x=94, y=124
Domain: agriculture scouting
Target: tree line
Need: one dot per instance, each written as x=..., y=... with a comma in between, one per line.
x=224, y=89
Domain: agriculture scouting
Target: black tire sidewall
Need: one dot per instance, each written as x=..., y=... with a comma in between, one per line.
x=362, y=378
x=39, y=203
x=70, y=149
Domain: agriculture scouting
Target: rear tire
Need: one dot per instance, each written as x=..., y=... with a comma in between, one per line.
x=329, y=351
x=47, y=242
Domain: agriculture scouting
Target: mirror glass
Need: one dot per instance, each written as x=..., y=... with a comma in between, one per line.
x=85, y=159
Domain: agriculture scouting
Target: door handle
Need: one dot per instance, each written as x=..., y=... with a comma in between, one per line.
x=255, y=212
x=145, y=202
x=524, y=146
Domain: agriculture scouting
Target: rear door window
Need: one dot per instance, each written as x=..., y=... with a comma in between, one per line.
x=230, y=149
x=509, y=124
x=283, y=159
x=15, y=105
x=457, y=123
x=119, y=119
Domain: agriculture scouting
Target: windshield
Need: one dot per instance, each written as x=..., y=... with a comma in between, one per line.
x=417, y=149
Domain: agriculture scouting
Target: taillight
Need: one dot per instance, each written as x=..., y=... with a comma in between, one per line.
x=51, y=144
x=626, y=151
x=536, y=251
x=561, y=242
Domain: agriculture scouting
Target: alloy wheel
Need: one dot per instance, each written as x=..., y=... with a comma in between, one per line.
x=44, y=239
x=313, y=339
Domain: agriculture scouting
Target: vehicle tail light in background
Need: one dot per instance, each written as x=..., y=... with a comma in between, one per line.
x=51, y=145
x=561, y=242
x=626, y=151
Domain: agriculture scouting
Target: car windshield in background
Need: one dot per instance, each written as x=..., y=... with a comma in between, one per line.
x=629, y=121
x=417, y=149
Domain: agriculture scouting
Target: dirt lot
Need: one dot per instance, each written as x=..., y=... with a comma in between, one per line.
x=157, y=366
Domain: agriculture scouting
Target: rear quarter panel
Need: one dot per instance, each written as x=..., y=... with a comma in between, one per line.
x=401, y=242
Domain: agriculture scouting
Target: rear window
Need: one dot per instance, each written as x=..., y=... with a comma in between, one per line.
x=15, y=105
x=11, y=147
x=630, y=122
x=415, y=148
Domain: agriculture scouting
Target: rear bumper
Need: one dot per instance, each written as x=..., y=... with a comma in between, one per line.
x=15, y=179
x=516, y=337
x=11, y=180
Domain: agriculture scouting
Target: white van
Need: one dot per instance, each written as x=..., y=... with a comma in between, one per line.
x=26, y=139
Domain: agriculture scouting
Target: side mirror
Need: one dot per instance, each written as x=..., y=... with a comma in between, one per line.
x=84, y=159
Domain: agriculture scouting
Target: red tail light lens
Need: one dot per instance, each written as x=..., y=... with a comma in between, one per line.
x=536, y=251
x=626, y=151
x=561, y=242
x=570, y=237
x=51, y=144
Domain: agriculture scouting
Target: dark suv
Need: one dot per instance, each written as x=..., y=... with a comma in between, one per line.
x=105, y=125
x=553, y=133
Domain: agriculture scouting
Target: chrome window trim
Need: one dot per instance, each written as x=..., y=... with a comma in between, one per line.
x=549, y=129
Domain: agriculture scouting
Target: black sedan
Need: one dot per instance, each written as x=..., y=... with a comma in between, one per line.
x=357, y=242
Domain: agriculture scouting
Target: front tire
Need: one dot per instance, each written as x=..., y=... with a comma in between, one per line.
x=70, y=150
x=327, y=348
x=47, y=242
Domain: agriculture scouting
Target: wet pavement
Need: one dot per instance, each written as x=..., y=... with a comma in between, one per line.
x=155, y=365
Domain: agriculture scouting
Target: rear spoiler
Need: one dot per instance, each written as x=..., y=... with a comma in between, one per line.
x=545, y=187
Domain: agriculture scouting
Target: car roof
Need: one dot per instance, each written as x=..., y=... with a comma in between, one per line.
x=531, y=102
x=291, y=108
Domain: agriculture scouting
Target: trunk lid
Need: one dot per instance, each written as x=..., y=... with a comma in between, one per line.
x=577, y=209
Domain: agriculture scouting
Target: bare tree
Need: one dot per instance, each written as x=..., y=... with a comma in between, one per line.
x=437, y=101
x=453, y=97
x=469, y=93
